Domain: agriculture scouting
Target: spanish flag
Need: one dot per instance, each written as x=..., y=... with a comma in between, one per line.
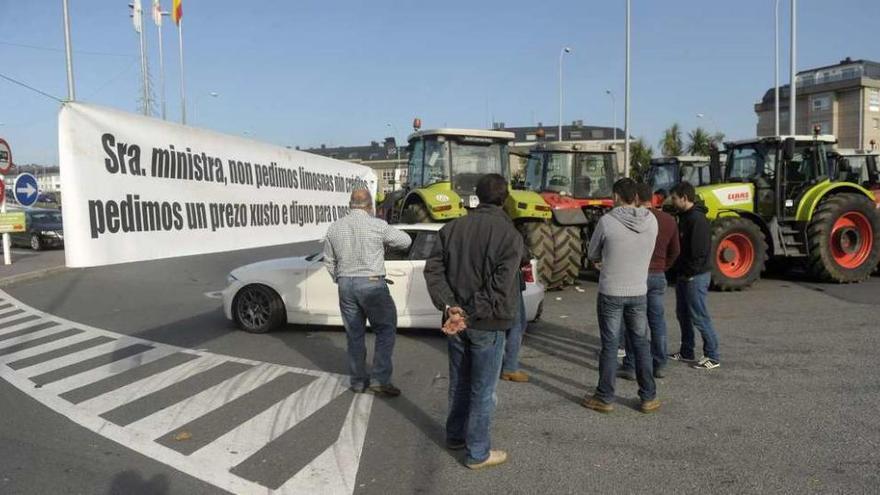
x=177, y=11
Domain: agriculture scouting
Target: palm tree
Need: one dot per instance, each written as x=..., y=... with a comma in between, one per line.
x=670, y=143
x=639, y=159
x=700, y=142
x=717, y=139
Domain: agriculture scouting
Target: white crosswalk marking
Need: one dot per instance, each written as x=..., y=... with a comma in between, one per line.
x=202, y=403
x=108, y=370
x=332, y=471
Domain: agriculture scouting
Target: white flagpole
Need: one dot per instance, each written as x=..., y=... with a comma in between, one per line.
x=71, y=92
x=161, y=62
x=182, y=85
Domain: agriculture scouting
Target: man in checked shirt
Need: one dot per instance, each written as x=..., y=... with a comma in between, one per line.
x=354, y=254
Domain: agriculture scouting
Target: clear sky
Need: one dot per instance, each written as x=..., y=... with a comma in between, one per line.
x=311, y=72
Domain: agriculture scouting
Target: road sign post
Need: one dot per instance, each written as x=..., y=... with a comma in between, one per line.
x=5, y=166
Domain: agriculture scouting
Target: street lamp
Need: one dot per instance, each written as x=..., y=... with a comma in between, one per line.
x=561, y=55
x=613, y=112
x=212, y=94
x=396, y=149
x=711, y=121
x=776, y=69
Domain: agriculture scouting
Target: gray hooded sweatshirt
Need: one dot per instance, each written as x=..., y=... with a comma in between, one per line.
x=624, y=242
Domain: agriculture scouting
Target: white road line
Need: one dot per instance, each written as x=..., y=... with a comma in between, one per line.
x=49, y=346
x=171, y=418
x=335, y=470
x=148, y=385
x=108, y=370
x=238, y=444
x=33, y=336
x=76, y=357
x=17, y=326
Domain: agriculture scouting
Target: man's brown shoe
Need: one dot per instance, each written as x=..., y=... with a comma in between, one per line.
x=515, y=376
x=496, y=457
x=597, y=405
x=649, y=406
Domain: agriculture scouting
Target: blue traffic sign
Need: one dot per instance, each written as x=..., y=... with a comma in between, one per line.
x=26, y=189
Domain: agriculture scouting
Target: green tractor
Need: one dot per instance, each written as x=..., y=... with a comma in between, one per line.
x=780, y=201
x=444, y=167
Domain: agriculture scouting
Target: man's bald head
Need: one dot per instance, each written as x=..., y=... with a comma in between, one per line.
x=361, y=199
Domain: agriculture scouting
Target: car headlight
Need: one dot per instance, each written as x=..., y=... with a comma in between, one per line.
x=230, y=278
x=49, y=233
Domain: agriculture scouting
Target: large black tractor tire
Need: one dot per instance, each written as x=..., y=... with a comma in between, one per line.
x=844, y=239
x=415, y=213
x=538, y=240
x=567, y=251
x=739, y=252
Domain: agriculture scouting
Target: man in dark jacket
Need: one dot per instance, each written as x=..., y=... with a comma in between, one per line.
x=472, y=278
x=693, y=272
x=665, y=253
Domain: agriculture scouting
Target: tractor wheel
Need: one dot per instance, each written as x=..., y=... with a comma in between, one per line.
x=740, y=251
x=844, y=239
x=415, y=213
x=538, y=240
x=567, y=251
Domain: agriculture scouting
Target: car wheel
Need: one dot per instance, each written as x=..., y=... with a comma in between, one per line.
x=36, y=243
x=258, y=309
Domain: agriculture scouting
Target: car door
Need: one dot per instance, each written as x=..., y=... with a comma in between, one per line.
x=420, y=304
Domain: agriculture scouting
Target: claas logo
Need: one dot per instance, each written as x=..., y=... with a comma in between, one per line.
x=738, y=196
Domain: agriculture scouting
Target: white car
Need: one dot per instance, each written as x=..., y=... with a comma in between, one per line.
x=263, y=296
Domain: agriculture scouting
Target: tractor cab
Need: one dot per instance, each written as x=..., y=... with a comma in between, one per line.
x=858, y=166
x=566, y=170
x=666, y=173
x=782, y=199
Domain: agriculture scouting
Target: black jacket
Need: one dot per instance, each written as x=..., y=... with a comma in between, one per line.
x=475, y=267
x=696, y=243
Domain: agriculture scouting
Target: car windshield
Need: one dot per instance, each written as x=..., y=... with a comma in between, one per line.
x=663, y=177
x=470, y=161
x=46, y=217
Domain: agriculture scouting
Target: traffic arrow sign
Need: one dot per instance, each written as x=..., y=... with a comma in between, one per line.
x=26, y=189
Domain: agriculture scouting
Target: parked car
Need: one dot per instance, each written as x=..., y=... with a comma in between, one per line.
x=43, y=230
x=263, y=296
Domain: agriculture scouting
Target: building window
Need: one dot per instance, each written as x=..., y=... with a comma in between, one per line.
x=876, y=123
x=874, y=100
x=597, y=134
x=550, y=135
x=531, y=137
x=824, y=127
x=821, y=103
x=574, y=135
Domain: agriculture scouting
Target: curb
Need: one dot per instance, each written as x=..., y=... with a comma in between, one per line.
x=12, y=279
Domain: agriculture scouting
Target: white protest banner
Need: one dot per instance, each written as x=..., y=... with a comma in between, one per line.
x=138, y=188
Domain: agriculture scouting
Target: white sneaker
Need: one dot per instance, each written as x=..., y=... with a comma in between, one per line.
x=706, y=364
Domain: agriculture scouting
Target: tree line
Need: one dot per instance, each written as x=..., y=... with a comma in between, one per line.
x=699, y=142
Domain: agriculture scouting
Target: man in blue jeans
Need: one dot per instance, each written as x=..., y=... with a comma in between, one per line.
x=354, y=254
x=510, y=364
x=666, y=250
x=693, y=272
x=621, y=248
x=472, y=278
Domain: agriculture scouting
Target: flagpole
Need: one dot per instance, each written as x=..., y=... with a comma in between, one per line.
x=71, y=91
x=146, y=81
x=182, y=85
x=161, y=67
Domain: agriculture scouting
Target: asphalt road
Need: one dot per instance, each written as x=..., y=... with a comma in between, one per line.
x=791, y=410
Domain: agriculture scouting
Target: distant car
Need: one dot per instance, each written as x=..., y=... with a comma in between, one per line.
x=43, y=230
x=47, y=198
x=263, y=296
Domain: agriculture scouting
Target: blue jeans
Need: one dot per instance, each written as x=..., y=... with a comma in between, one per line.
x=362, y=299
x=656, y=322
x=613, y=310
x=474, y=366
x=514, y=339
x=692, y=310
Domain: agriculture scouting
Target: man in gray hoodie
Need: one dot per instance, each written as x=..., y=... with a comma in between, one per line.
x=621, y=247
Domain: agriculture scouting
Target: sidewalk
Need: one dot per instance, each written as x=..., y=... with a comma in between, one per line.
x=27, y=264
